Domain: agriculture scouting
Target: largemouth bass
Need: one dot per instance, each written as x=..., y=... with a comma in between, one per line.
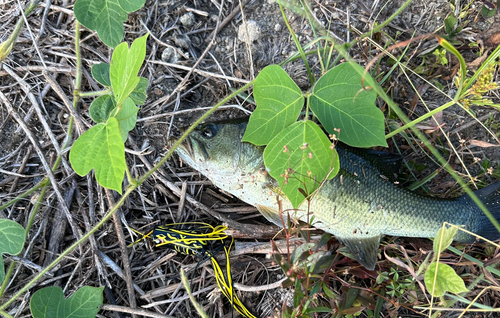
x=358, y=206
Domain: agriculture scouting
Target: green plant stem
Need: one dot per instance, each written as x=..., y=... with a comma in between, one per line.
x=7, y=277
x=129, y=175
x=306, y=116
x=42, y=183
x=13, y=37
x=78, y=76
x=490, y=268
x=463, y=67
x=93, y=94
x=345, y=46
x=491, y=59
x=121, y=201
x=3, y=313
x=45, y=182
x=297, y=44
x=342, y=49
x=419, y=119
x=379, y=27
x=197, y=306
x=68, y=250
x=44, y=186
x=35, y=209
x=28, y=227
x=438, y=156
x=330, y=54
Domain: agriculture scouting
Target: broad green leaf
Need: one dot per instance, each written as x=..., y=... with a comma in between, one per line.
x=298, y=253
x=298, y=295
x=340, y=102
x=127, y=118
x=49, y=302
x=323, y=264
x=101, y=108
x=325, y=237
x=295, y=167
x=131, y=5
x=279, y=102
x=12, y=237
x=449, y=23
x=444, y=238
x=446, y=280
x=139, y=95
x=104, y=16
x=101, y=148
x=125, y=65
x=328, y=292
x=100, y=72
x=488, y=12
x=311, y=310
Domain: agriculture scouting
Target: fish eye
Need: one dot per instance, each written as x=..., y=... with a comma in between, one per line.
x=208, y=131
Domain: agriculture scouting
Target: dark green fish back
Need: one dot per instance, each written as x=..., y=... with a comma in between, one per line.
x=406, y=213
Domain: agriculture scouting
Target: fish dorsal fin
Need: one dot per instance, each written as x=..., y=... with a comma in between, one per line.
x=365, y=249
x=272, y=215
x=387, y=163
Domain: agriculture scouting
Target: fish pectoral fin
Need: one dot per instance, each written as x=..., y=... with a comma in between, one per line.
x=364, y=249
x=272, y=215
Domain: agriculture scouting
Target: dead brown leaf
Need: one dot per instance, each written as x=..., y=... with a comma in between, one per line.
x=482, y=144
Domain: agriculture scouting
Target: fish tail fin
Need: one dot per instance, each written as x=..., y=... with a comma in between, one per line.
x=490, y=196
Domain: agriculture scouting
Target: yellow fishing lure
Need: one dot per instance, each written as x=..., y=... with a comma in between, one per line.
x=194, y=240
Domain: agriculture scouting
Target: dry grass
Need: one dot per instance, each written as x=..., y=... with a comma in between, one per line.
x=37, y=81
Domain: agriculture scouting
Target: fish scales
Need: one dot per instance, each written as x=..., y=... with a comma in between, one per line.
x=357, y=206
x=365, y=203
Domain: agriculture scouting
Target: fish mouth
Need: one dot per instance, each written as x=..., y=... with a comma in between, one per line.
x=185, y=146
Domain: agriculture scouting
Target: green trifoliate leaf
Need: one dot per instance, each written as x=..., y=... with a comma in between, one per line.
x=49, y=302
x=125, y=65
x=12, y=237
x=341, y=102
x=139, y=95
x=300, y=158
x=131, y=5
x=279, y=102
x=101, y=108
x=101, y=148
x=127, y=118
x=444, y=238
x=106, y=17
x=446, y=280
x=100, y=72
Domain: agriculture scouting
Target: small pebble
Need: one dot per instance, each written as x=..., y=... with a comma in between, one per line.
x=169, y=55
x=187, y=19
x=253, y=31
x=182, y=41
